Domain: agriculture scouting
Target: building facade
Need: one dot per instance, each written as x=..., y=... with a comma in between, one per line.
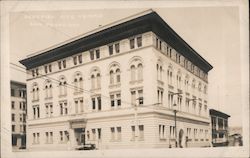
x=219, y=124
x=18, y=114
x=118, y=87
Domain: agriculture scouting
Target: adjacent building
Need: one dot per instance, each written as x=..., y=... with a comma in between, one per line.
x=219, y=124
x=18, y=114
x=119, y=87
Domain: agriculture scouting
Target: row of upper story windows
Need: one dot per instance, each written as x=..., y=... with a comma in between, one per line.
x=137, y=98
x=136, y=70
x=94, y=54
x=177, y=103
x=178, y=58
x=95, y=104
x=179, y=82
x=165, y=133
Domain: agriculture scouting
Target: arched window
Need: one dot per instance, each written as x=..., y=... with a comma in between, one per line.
x=159, y=70
x=98, y=80
x=193, y=84
x=48, y=89
x=199, y=87
x=111, y=77
x=136, y=69
x=35, y=91
x=178, y=80
x=170, y=75
x=205, y=89
x=93, y=81
x=62, y=86
x=118, y=75
x=95, y=78
x=186, y=82
x=140, y=72
x=132, y=68
x=114, y=72
x=78, y=82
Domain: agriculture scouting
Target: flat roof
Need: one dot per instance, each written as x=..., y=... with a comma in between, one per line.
x=139, y=23
x=218, y=113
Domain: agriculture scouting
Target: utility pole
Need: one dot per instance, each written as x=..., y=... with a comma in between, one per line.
x=136, y=119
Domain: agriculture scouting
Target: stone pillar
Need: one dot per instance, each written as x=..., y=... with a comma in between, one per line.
x=72, y=144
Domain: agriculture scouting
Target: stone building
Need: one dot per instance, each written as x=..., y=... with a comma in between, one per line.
x=18, y=114
x=119, y=86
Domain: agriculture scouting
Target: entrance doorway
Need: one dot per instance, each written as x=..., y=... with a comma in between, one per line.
x=80, y=136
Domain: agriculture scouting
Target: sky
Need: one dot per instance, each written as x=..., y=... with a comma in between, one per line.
x=212, y=31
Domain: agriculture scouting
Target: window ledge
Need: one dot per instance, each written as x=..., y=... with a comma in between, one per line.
x=63, y=95
x=163, y=139
x=136, y=81
x=115, y=85
x=95, y=89
x=170, y=86
x=161, y=83
x=48, y=98
x=77, y=93
x=35, y=100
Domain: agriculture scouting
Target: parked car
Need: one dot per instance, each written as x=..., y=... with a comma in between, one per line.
x=86, y=147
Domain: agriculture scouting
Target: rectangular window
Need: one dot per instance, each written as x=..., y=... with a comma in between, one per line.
x=110, y=49
x=50, y=68
x=99, y=130
x=112, y=99
x=51, y=137
x=132, y=43
x=37, y=72
x=34, y=138
x=133, y=97
x=141, y=132
x=45, y=69
x=75, y=60
x=97, y=52
x=99, y=103
x=33, y=73
x=112, y=129
x=47, y=137
x=140, y=93
x=61, y=136
x=118, y=97
x=115, y=100
x=13, y=128
x=117, y=48
x=21, y=117
x=63, y=108
x=133, y=133
x=119, y=133
x=93, y=134
x=139, y=41
x=59, y=65
x=64, y=63
x=12, y=104
x=92, y=55
x=93, y=103
x=80, y=58
x=38, y=138
x=13, y=117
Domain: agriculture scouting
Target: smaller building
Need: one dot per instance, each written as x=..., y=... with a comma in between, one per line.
x=18, y=114
x=219, y=125
x=235, y=136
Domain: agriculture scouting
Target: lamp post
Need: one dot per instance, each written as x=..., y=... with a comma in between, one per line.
x=175, y=124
